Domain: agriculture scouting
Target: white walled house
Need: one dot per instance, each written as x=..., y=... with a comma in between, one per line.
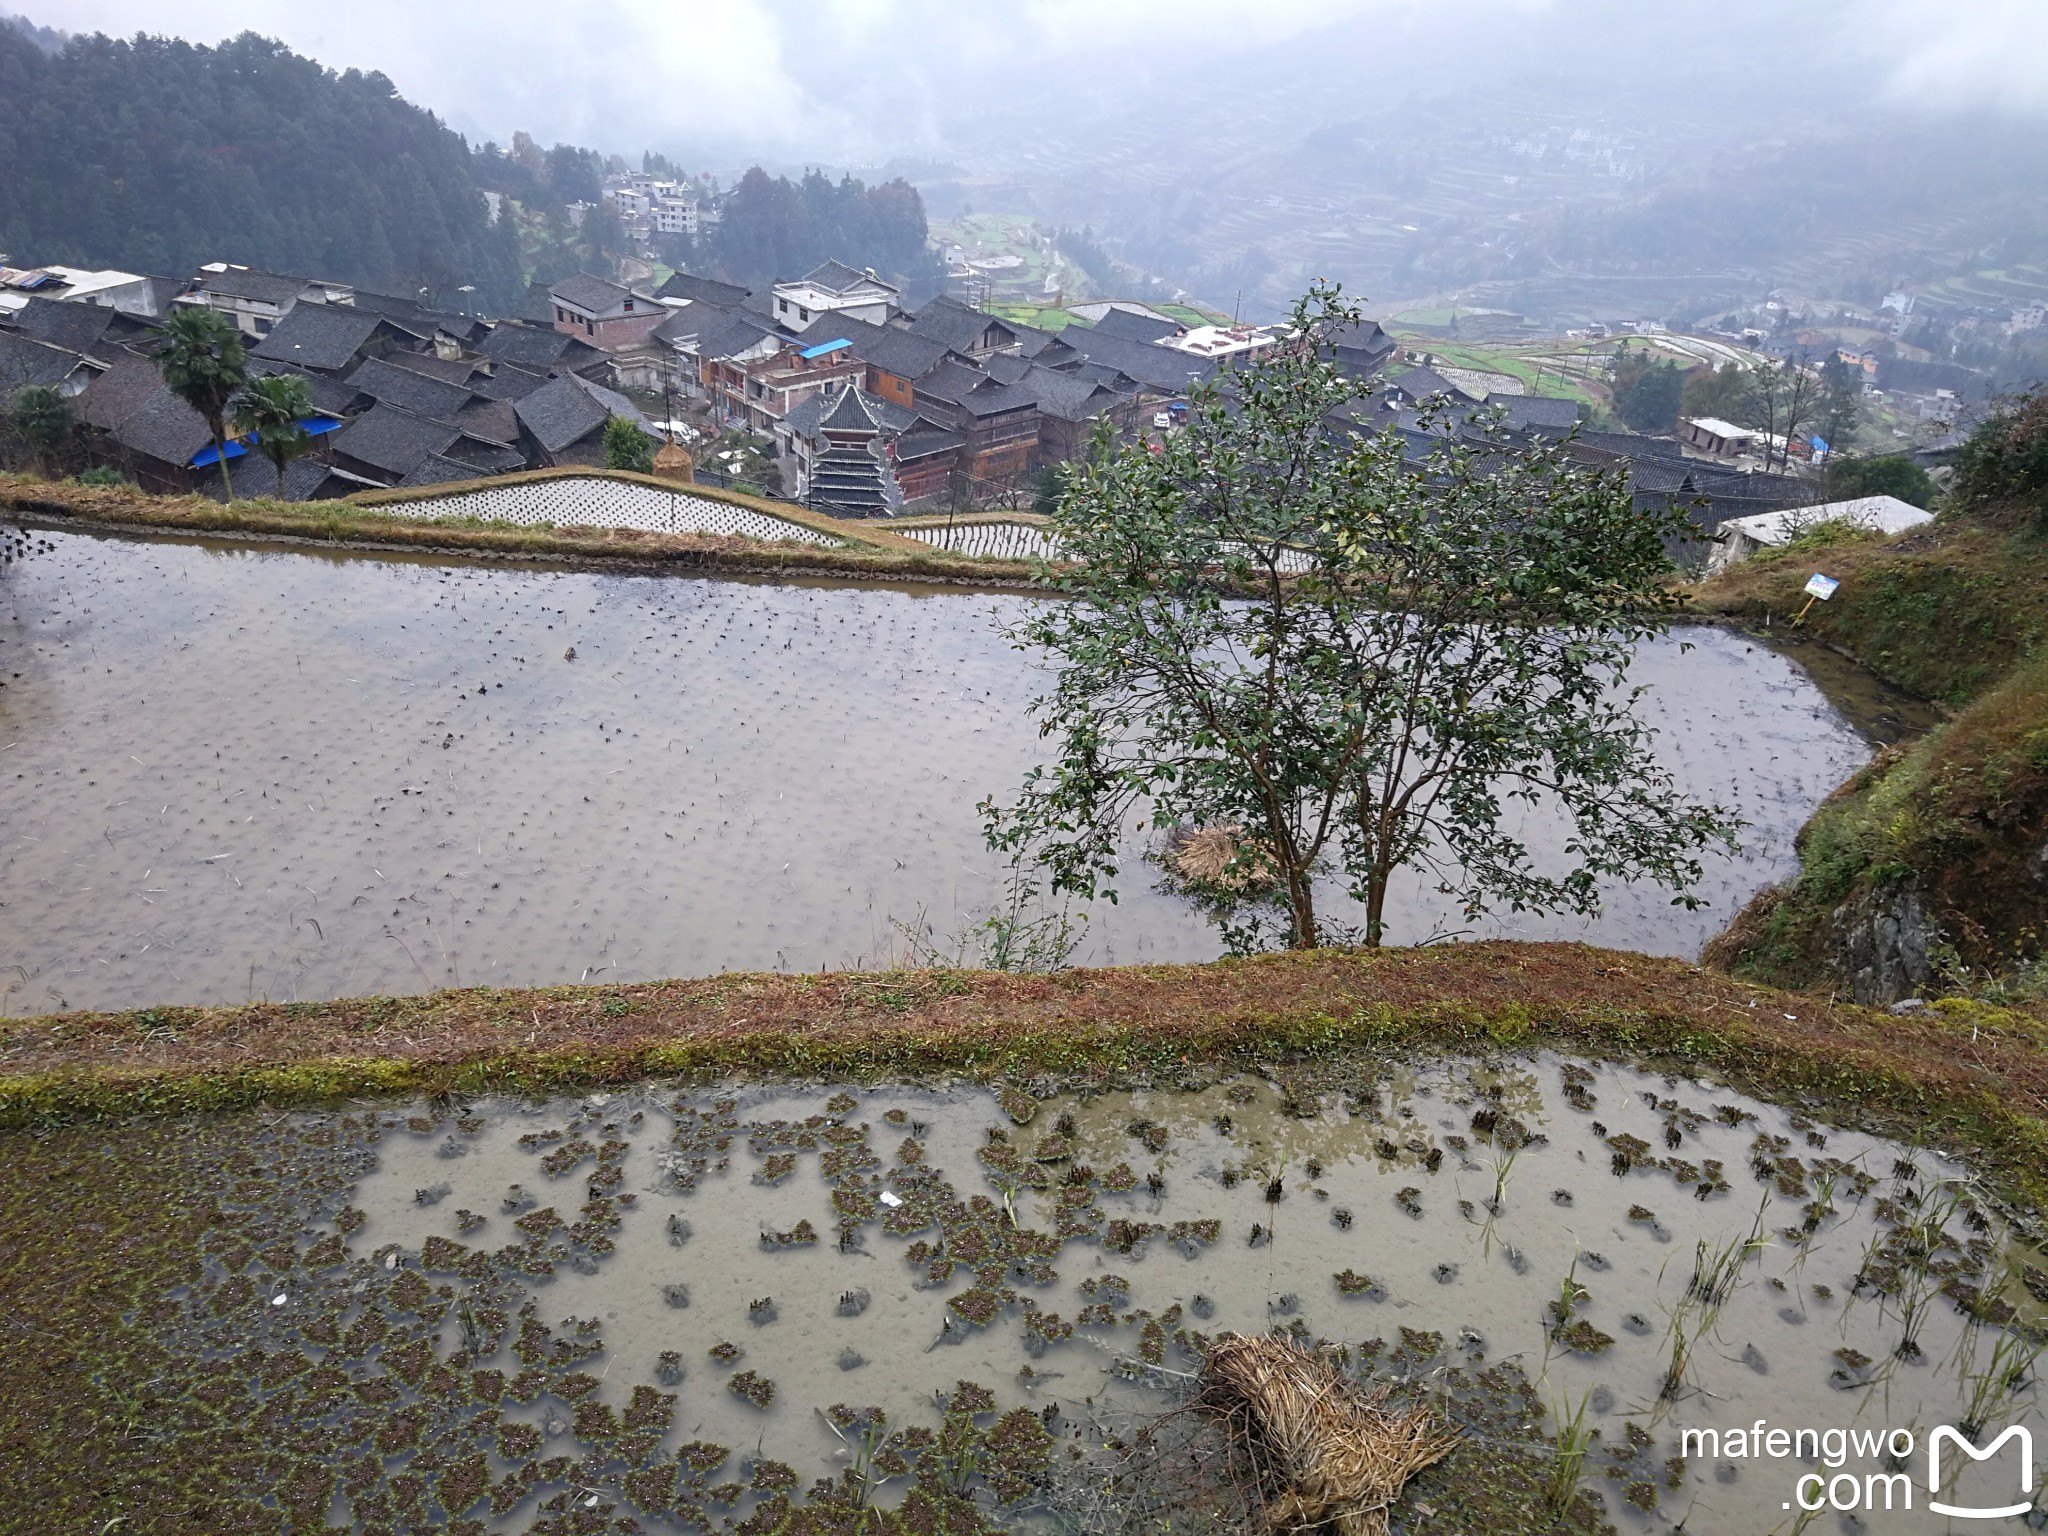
x=834, y=288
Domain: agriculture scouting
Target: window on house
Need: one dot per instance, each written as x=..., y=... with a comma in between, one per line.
x=629, y=306
x=589, y=328
x=803, y=314
x=785, y=305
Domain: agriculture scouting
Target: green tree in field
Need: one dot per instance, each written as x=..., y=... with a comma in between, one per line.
x=626, y=446
x=41, y=419
x=1841, y=401
x=275, y=409
x=1892, y=474
x=1720, y=392
x=1646, y=394
x=1329, y=660
x=205, y=365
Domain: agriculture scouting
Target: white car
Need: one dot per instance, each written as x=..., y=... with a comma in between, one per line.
x=1162, y=419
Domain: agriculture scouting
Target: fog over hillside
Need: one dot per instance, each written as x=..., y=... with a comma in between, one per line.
x=1550, y=156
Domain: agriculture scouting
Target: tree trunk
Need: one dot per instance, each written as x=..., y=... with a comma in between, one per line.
x=1301, y=906
x=1376, y=905
x=220, y=446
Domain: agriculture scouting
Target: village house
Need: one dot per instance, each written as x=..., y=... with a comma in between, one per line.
x=604, y=314
x=257, y=301
x=1710, y=434
x=1739, y=538
x=834, y=288
x=754, y=375
x=960, y=328
x=128, y=292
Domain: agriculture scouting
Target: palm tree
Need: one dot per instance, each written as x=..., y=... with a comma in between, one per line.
x=205, y=365
x=273, y=409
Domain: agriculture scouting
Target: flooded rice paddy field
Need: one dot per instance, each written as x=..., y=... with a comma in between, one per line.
x=230, y=773
x=662, y=1309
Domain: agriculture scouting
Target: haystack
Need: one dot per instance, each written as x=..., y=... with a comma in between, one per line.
x=1203, y=857
x=673, y=462
x=1320, y=1450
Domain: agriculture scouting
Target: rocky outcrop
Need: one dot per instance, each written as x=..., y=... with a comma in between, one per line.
x=1882, y=940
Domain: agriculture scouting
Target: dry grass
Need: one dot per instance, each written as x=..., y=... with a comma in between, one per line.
x=1318, y=1450
x=1972, y=1078
x=875, y=553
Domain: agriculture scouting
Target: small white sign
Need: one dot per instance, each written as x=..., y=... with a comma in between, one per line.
x=1822, y=587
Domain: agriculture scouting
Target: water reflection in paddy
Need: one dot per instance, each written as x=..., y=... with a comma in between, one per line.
x=229, y=773
x=1664, y=1254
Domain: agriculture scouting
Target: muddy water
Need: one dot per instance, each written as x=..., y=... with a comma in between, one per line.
x=1456, y=1201
x=231, y=773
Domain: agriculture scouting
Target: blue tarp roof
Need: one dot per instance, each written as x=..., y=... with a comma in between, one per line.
x=825, y=346
x=313, y=425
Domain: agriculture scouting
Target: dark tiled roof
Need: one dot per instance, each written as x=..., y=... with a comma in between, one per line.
x=804, y=417
x=505, y=382
x=1157, y=368
x=1548, y=411
x=1132, y=326
x=953, y=324
x=392, y=440
x=838, y=277
x=1632, y=445
x=495, y=421
x=1068, y=396
x=450, y=370
x=1006, y=368
x=587, y=291
x=562, y=411
x=1031, y=340
x=319, y=336
x=924, y=439
x=1365, y=337
x=850, y=413
x=414, y=318
x=264, y=287
x=880, y=346
x=329, y=395
x=528, y=346
x=435, y=470
x=25, y=362
x=75, y=327
x=1421, y=383
x=164, y=428
x=702, y=290
x=737, y=332
x=973, y=391
x=435, y=399
x=304, y=480
x=131, y=383
x=489, y=458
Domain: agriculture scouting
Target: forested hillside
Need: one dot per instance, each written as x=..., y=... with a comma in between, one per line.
x=156, y=155
x=774, y=227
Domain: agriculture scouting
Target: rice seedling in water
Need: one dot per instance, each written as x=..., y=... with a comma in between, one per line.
x=1568, y=1459
x=1995, y=1390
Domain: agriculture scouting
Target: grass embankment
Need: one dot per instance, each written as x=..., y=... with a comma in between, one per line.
x=1968, y=1076
x=870, y=553
x=1953, y=825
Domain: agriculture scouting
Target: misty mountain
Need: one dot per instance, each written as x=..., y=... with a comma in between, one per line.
x=156, y=155
x=49, y=39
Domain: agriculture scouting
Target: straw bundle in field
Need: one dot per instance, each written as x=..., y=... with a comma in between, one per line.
x=1203, y=857
x=1319, y=1450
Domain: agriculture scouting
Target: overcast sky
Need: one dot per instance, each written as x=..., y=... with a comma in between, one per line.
x=857, y=81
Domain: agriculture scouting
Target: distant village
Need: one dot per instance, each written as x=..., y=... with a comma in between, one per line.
x=840, y=396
